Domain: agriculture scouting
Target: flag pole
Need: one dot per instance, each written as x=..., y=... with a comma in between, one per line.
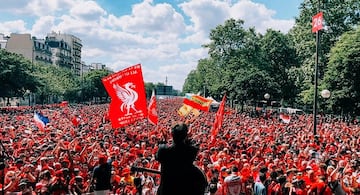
x=316, y=75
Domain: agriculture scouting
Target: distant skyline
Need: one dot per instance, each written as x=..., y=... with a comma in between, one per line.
x=164, y=36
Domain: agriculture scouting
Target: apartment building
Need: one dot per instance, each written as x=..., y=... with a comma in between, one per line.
x=31, y=48
x=60, y=52
x=3, y=41
x=75, y=45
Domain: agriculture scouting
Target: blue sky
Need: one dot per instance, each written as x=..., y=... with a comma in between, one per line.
x=164, y=36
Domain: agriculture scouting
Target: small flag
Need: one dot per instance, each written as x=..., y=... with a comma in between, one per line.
x=317, y=21
x=285, y=118
x=152, y=114
x=76, y=121
x=184, y=110
x=198, y=102
x=218, y=119
x=41, y=120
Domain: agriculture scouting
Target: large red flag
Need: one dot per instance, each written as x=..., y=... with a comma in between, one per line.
x=152, y=114
x=218, y=119
x=128, y=100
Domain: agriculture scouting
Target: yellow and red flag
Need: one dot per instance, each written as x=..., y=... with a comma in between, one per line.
x=198, y=102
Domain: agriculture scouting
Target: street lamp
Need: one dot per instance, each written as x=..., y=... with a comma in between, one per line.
x=325, y=93
x=267, y=96
x=28, y=93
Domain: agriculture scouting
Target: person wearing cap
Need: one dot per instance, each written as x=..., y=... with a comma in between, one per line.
x=102, y=176
x=179, y=176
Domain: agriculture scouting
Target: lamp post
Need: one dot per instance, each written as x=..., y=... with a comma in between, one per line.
x=317, y=26
x=28, y=93
x=267, y=97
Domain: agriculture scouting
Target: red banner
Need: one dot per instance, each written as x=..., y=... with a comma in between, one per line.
x=152, y=114
x=128, y=100
x=317, y=21
x=218, y=119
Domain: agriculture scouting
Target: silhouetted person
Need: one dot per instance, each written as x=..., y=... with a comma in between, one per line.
x=102, y=176
x=179, y=176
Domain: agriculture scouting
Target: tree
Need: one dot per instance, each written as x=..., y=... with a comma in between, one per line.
x=280, y=57
x=232, y=50
x=55, y=83
x=92, y=86
x=342, y=77
x=15, y=75
x=340, y=16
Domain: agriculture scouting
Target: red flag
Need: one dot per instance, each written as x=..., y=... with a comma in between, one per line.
x=198, y=102
x=152, y=114
x=285, y=118
x=76, y=121
x=128, y=100
x=317, y=21
x=218, y=119
x=64, y=103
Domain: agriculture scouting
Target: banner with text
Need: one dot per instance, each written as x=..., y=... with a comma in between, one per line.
x=128, y=99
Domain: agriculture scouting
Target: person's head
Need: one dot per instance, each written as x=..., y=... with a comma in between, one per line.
x=179, y=133
x=25, y=187
x=234, y=169
x=102, y=159
x=262, y=177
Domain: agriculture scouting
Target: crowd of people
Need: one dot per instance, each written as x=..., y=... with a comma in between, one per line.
x=250, y=155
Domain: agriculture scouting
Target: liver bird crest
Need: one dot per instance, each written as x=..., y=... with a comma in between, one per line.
x=127, y=95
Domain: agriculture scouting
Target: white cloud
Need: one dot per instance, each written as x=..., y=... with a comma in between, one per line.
x=149, y=19
x=41, y=26
x=45, y=7
x=258, y=16
x=206, y=14
x=87, y=10
x=16, y=26
x=165, y=41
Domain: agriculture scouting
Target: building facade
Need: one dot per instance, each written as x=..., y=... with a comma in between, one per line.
x=60, y=52
x=33, y=49
x=75, y=45
x=3, y=41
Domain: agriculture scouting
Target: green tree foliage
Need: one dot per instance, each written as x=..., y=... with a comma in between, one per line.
x=149, y=87
x=15, y=75
x=245, y=64
x=92, y=86
x=340, y=16
x=279, y=57
x=342, y=77
x=55, y=82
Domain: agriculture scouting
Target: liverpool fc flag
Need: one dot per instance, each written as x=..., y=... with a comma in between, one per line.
x=128, y=100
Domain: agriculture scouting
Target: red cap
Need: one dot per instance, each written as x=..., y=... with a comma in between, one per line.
x=102, y=159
